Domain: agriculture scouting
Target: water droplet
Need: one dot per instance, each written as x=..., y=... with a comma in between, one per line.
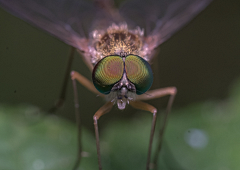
x=196, y=138
x=38, y=164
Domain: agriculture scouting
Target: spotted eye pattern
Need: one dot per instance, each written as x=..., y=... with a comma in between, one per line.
x=107, y=73
x=139, y=73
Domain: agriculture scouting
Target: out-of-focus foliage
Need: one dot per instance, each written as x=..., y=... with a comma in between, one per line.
x=30, y=141
x=203, y=136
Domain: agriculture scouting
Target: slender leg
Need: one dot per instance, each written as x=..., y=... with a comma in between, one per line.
x=157, y=93
x=162, y=128
x=153, y=110
x=172, y=91
x=65, y=82
x=104, y=109
x=85, y=82
x=78, y=120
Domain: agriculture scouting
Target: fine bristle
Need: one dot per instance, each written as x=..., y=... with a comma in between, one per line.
x=117, y=40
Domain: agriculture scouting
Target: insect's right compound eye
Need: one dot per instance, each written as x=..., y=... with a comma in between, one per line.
x=107, y=72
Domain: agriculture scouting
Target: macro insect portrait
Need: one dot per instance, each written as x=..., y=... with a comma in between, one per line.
x=118, y=42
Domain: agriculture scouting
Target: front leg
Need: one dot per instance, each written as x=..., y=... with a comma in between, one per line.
x=85, y=82
x=89, y=85
x=147, y=107
x=153, y=94
x=158, y=93
x=103, y=110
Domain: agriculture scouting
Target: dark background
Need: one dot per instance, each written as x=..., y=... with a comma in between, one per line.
x=202, y=60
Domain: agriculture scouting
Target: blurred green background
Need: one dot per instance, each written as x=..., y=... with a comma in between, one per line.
x=201, y=60
x=201, y=136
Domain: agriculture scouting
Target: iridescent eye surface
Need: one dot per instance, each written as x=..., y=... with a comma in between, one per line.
x=107, y=73
x=139, y=73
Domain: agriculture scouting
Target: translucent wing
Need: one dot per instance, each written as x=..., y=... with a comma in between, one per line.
x=161, y=18
x=72, y=20
x=68, y=20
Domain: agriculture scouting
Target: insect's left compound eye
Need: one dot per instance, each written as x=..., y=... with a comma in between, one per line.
x=107, y=73
x=139, y=73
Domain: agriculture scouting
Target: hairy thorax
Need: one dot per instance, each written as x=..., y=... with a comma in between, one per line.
x=117, y=40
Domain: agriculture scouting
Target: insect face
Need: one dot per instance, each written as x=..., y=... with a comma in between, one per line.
x=122, y=76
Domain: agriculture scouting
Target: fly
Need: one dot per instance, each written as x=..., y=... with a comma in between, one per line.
x=118, y=44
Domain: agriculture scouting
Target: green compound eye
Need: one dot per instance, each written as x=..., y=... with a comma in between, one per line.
x=107, y=73
x=139, y=73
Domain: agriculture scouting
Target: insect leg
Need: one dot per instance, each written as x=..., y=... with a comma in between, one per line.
x=144, y=106
x=61, y=98
x=88, y=84
x=85, y=82
x=104, y=109
x=78, y=120
x=172, y=91
x=158, y=93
